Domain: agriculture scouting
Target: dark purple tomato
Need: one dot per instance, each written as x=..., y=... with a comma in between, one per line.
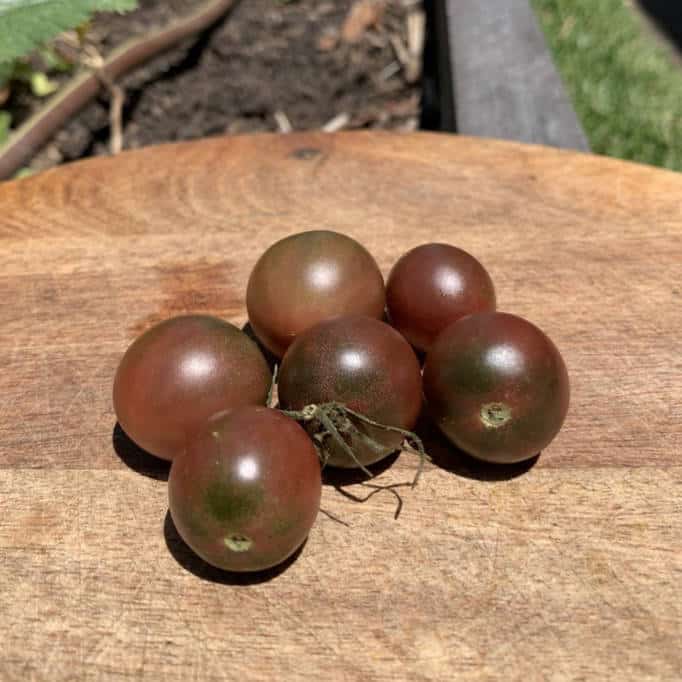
x=496, y=386
x=432, y=286
x=364, y=364
x=309, y=277
x=179, y=373
x=245, y=493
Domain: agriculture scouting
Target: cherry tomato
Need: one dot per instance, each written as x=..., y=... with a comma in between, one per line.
x=432, y=286
x=496, y=386
x=246, y=492
x=179, y=373
x=364, y=364
x=307, y=278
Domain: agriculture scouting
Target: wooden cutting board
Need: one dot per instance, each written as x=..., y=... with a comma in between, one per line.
x=568, y=570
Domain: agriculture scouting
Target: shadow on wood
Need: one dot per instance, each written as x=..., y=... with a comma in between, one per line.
x=338, y=477
x=181, y=552
x=447, y=456
x=136, y=458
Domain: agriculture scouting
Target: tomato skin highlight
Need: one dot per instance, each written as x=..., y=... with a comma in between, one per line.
x=496, y=386
x=246, y=492
x=364, y=364
x=309, y=277
x=432, y=286
x=179, y=373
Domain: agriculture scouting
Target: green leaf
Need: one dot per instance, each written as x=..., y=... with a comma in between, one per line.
x=25, y=24
x=5, y=122
x=41, y=85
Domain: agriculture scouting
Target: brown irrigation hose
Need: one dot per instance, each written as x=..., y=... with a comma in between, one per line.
x=29, y=138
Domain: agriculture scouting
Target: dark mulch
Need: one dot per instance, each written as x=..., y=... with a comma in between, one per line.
x=266, y=56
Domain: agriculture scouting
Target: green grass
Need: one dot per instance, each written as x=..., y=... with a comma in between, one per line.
x=625, y=83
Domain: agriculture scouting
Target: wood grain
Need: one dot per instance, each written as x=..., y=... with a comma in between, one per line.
x=504, y=81
x=569, y=570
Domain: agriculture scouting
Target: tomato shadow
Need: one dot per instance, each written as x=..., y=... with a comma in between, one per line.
x=338, y=477
x=181, y=552
x=449, y=457
x=270, y=357
x=136, y=458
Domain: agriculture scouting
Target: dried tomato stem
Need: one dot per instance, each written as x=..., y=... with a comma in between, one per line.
x=331, y=427
x=409, y=436
x=322, y=412
x=377, y=489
